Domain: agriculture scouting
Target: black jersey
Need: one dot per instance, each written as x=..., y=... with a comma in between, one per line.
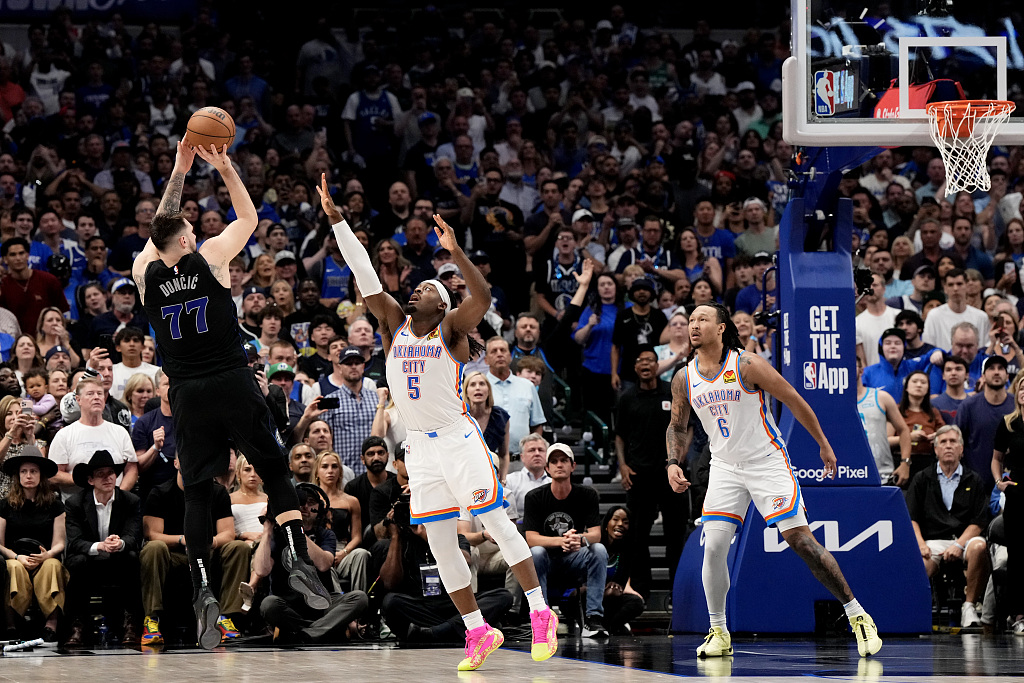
x=194, y=318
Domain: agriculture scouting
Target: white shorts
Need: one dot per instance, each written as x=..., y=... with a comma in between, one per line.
x=940, y=546
x=767, y=480
x=450, y=469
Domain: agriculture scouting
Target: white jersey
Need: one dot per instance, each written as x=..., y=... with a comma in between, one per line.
x=425, y=380
x=872, y=416
x=737, y=420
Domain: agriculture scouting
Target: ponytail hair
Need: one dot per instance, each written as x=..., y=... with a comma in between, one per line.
x=730, y=336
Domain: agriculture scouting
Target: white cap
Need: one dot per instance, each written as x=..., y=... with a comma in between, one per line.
x=580, y=213
x=562, y=448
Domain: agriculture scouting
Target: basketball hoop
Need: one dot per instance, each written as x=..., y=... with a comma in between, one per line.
x=964, y=131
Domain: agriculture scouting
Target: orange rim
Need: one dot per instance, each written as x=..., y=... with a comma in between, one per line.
x=962, y=114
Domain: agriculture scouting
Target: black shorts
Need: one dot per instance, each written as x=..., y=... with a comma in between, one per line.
x=216, y=412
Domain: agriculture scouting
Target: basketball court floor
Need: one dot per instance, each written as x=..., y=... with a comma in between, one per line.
x=938, y=658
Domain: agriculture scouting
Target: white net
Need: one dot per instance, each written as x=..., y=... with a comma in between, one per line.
x=964, y=132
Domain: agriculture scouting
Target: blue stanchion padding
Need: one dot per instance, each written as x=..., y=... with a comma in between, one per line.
x=869, y=533
x=817, y=341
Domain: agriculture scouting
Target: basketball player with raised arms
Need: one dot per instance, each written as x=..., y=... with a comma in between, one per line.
x=450, y=467
x=214, y=396
x=728, y=387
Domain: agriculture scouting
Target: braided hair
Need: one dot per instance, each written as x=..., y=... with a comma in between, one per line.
x=730, y=336
x=475, y=347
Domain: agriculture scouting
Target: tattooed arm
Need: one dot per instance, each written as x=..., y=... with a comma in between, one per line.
x=678, y=434
x=758, y=373
x=171, y=201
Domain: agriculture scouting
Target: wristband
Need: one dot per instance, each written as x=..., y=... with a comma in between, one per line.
x=957, y=544
x=89, y=372
x=672, y=461
x=181, y=540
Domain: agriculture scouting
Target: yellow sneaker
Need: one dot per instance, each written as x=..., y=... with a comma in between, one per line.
x=868, y=642
x=151, y=632
x=480, y=645
x=717, y=643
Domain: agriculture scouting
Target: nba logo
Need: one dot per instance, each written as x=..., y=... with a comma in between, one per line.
x=824, y=93
x=810, y=375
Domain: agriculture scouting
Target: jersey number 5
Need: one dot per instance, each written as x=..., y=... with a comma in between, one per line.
x=723, y=427
x=174, y=313
x=414, y=386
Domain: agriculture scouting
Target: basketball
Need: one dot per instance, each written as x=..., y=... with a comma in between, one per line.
x=210, y=126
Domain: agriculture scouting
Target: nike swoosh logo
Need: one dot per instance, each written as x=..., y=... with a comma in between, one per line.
x=697, y=384
x=468, y=435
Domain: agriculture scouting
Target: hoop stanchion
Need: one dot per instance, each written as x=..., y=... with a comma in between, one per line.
x=964, y=130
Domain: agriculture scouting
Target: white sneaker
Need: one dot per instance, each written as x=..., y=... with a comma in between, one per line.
x=717, y=643
x=868, y=642
x=1018, y=628
x=969, y=615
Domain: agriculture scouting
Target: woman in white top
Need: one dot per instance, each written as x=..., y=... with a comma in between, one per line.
x=673, y=354
x=248, y=502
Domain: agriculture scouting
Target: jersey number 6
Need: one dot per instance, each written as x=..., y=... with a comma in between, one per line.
x=723, y=427
x=174, y=313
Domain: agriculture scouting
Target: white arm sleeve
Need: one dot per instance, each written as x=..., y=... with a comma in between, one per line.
x=357, y=259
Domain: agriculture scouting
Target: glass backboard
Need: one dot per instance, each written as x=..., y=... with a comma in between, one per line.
x=862, y=72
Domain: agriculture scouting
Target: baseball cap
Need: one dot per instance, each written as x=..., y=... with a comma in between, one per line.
x=929, y=200
x=581, y=214
x=120, y=144
x=546, y=65
x=427, y=117
x=55, y=350
x=465, y=92
x=743, y=85
x=925, y=270
x=282, y=256
x=761, y=256
x=448, y=268
x=994, y=360
x=597, y=140
x=562, y=448
x=478, y=257
x=350, y=353
x=438, y=249
x=753, y=201
x=121, y=282
x=280, y=368
x=604, y=24
x=253, y=289
x=625, y=222
x=641, y=283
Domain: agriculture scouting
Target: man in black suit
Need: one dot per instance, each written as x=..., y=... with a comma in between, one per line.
x=104, y=527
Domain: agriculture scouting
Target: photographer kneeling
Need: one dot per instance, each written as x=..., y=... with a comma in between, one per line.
x=416, y=607
x=285, y=610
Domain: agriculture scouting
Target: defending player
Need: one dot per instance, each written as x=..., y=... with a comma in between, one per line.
x=727, y=387
x=449, y=464
x=214, y=396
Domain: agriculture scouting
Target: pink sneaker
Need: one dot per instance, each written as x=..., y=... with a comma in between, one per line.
x=480, y=642
x=545, y=634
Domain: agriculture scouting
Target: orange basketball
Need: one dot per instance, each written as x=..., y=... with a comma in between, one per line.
x=210, y=126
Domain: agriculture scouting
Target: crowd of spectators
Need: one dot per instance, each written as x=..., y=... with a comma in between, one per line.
x=605, y=178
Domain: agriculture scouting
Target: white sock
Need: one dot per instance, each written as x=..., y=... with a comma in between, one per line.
x=473, y=620
x=853, y=609
x=718, y=619
x=535, y=596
